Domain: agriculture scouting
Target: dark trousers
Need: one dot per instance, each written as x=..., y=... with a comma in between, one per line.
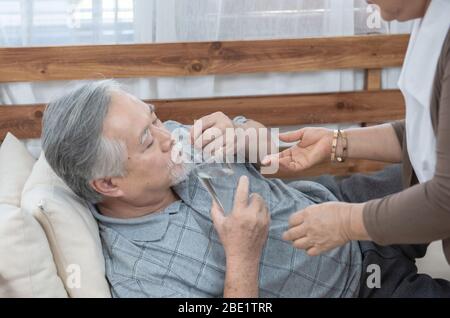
x=395, y=264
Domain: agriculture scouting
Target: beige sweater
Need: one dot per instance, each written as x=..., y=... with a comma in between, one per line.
x=421, y=212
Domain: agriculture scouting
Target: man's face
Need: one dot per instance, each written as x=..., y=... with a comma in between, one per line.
x=149, y=144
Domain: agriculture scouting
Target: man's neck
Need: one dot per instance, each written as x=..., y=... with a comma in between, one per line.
x=124, y=210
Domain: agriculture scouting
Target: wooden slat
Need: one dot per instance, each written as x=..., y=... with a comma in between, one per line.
x=372, y=80
x=273, y=110
x=21, y=121
x=200, y=58
x=344, y=169
x=297, y=109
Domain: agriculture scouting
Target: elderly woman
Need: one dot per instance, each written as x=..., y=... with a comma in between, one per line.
x=421, y=212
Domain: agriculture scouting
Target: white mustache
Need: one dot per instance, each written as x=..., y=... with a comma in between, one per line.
x=178, y=172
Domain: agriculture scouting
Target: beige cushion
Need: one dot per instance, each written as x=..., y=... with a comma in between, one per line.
x=71, y=230
x=15, y=167
x=26, y=262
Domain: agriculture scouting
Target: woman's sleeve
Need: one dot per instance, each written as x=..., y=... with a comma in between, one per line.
x=419, y=214
x=399, y=127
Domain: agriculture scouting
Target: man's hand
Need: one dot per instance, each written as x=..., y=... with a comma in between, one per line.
x=214, y=134
x=243, y=234
x=218, y=136
x=244, y=231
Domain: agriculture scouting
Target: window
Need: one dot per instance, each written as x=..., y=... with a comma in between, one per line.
x=65, y=22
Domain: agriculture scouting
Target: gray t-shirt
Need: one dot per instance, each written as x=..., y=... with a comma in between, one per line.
x=177, y=253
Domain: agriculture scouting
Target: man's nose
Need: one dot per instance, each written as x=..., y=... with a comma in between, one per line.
x=164, y=138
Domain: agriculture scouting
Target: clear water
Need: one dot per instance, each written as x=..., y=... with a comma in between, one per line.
x=210, y=174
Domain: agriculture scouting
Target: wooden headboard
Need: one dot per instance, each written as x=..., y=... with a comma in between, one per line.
x=370, y=53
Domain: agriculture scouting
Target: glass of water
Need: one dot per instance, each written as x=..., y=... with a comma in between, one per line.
x=219, y=179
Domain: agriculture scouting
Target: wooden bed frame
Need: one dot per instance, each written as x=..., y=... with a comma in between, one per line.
x=371, y=53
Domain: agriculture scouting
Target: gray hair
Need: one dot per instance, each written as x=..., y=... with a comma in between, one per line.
x=72, y=138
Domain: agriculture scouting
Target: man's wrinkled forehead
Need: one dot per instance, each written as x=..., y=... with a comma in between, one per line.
x=126, y=115
x=148, y=108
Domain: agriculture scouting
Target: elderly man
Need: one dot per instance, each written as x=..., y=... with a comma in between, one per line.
x=160, y=236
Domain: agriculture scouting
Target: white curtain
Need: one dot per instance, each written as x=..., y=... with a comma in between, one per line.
x=71, y=22
x=211, y=20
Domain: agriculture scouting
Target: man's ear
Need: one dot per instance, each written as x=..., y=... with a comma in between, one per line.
x=106, y=187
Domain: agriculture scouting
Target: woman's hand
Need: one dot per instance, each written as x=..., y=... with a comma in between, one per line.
x=244, y=231
x=322, y=227
x=313, y=147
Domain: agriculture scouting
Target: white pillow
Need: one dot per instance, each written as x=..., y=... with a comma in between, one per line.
x=71, y=231
x=15, y=167
x=26, y=262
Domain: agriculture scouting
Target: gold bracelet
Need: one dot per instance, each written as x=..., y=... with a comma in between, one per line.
x=342, y=137
x=339, y=137
x=334, y=145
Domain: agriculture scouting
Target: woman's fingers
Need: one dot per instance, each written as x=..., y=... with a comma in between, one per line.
x=294, y=233
x=292, y=135
x=297, y=218
x=314, y=251
x=303, y=243
x=292, y=158
x=267, y=160
x=287, y=154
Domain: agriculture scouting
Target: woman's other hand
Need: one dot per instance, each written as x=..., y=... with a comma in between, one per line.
x=323, y=227
x=313, y=147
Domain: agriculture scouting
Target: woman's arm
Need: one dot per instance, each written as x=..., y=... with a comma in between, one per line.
x=421, y=213
x=379, y=142
x=314, y=146
x=374, y=143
